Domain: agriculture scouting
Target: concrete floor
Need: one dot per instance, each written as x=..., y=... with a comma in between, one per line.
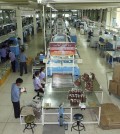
x=92, y=62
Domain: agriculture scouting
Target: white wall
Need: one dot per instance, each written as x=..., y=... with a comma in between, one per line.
x=111, y=16
x=118, y=17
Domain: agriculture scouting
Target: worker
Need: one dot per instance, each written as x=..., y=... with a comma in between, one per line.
x=37, y=84
x=3, y=54
x=23, y=64
x=13, y=60
x=42, y=76
x=90, y=33
x=15, y=96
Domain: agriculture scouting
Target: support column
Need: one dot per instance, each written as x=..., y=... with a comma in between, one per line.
x=101, y=14
x=51, y=20
x=90, y=14
x=44, y=28
x=81, y=13
x=4, y=16
x=41, y=20
x=95, y=13
x=35, y=23
x=110, y=16
x=87, y=13
x=19, y=25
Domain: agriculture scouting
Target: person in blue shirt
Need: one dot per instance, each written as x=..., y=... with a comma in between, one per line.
x=15, y=96
x=23, y=64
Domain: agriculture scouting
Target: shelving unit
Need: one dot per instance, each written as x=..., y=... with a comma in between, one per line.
x=5, y=70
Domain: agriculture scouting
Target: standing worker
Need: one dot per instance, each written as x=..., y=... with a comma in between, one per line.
x=15, y=97
x=13, y=60
x=23, y=64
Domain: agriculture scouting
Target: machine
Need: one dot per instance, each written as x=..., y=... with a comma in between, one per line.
x=61, y=38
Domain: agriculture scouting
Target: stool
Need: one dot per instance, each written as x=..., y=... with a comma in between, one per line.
x=29, y=120
x=78, y=126
x=39, y=94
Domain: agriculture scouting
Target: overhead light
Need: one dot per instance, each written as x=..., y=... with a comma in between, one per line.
x=74, y=10
x=49, y=5
x=54, y=9
x=39, y=1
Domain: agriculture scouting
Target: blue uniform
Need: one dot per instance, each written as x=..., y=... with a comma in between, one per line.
x=15, y=93
x=15, y=97
x=23, y=64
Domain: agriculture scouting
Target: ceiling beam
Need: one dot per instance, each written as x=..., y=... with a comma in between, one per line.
x=81, y=1
x=13, y=1
x=85, y=5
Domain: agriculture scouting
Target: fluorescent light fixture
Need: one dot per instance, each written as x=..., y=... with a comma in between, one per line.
x=39, y=1
x=74, y=10
x=49, y=5
x=54, y=9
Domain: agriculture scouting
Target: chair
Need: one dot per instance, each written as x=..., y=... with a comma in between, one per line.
x=78, y=126
x=39, y=94
x=29, y=120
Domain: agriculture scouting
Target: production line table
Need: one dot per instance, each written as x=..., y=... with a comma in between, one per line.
x=113, y=54
x=55, y=96
x=37, y=67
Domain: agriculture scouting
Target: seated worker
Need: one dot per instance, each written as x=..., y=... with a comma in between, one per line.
x=37, y=84
x=90, y=33
x=42, y=76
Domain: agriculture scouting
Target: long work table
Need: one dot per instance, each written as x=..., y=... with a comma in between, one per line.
x=55, y=96
x=111, y=55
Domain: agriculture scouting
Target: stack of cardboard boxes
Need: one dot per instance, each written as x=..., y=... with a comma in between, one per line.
x=114, y=85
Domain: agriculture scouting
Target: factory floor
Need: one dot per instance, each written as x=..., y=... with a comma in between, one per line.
x=92, y=62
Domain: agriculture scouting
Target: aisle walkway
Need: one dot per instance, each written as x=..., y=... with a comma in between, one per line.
x=91, y=63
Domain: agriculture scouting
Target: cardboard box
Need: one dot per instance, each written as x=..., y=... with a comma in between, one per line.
x=118, y=89
x=113, y=87
x=116, y=73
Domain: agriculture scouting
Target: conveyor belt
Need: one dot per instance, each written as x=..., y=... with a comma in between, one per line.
x=62, y=80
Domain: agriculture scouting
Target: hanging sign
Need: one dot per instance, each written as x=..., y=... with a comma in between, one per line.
x=62, y=48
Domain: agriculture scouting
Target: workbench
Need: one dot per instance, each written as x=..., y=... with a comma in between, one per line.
x=111, y=56
x=37, y=67
x=63, y=64
x=55, y=96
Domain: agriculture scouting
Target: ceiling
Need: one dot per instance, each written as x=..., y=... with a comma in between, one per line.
x=83, y=4
x=64, y=4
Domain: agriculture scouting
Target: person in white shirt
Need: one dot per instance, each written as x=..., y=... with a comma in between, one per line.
x=42, y=76
x=37, y=84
